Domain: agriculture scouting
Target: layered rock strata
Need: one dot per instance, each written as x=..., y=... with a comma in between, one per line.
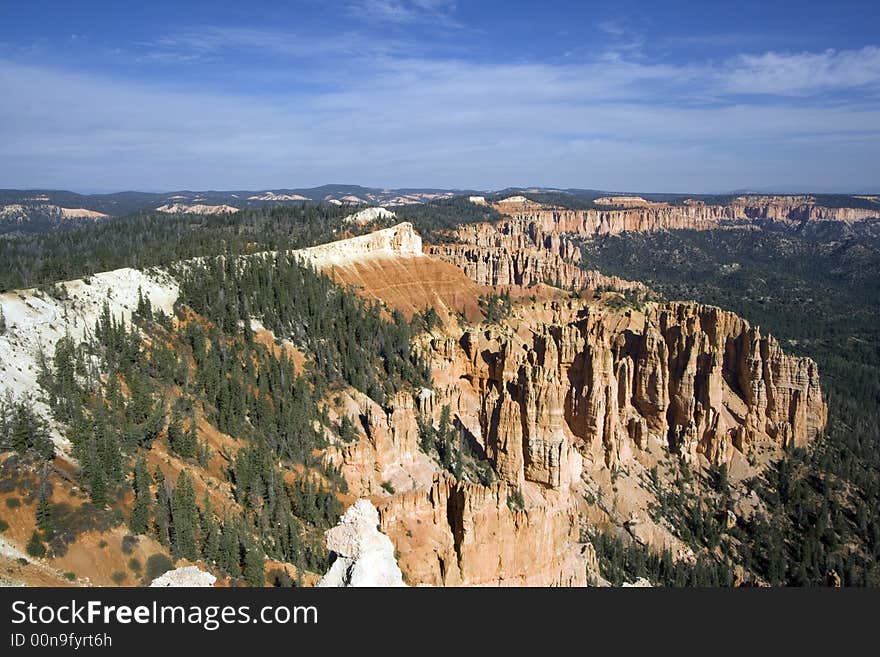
x=458, y=533
x=691, y=378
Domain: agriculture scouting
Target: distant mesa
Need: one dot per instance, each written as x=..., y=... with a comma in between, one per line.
x=198, y=208
x=522, y=200
x=272, y=196
x=82, y=212
x=348, y=198
x=626, y=202
x=478, y=200
x=20, y=212
x=403, y=200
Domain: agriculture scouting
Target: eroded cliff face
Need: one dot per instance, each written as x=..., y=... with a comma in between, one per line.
x=459, y=533
x=387, y=451
x=693, y=379
x=694, y=215
x=521, y=253
x=561, y=395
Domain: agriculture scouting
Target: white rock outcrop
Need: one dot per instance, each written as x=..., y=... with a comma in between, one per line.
x=198, y=208
x=272, y=196
x=398, y=241
x=364, y=555
x=369, y=214
x=187, y=576
x=639, y=583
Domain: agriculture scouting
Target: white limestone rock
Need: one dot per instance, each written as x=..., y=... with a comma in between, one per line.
x=369, y=214
x=364, y=555
x=188, y=576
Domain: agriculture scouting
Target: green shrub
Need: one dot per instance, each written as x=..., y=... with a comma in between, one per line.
x=118, y=577
x=35, y=546
x=128, y=543
x=70, y=576
x=157, y=564
x=13, y=502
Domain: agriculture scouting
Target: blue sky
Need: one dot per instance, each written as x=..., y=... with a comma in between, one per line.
x=629, y=96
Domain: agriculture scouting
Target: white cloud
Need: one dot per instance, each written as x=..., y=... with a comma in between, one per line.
x=387, y=120
x=803, y=73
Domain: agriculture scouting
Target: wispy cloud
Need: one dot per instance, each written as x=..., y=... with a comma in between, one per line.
x=439, y=12
x=208, y=42
x=622, y=40
x=612, y=27
x=384, y=111
x=415, y=121
x=804, y=73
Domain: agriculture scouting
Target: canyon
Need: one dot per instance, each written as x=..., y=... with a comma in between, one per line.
x=571, y=399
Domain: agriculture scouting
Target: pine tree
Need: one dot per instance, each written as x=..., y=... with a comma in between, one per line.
x=140, y=514
x=191, y=437
x=255, y=565
x=44, y=512
x=229, y=560
x=210, y=532
x=179, y=441
x=163, y=511
x=20, y=433
x=184, y=519
x=144, y=308
x=35, y=546
x=98, y=486
x=2, y=321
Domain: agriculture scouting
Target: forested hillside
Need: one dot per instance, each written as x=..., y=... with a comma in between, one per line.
x=178, y=383
x=147, y=240
x=156, y=239
x=193, y=430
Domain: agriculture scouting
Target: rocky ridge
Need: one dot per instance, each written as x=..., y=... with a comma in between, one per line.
x=197, y=208
x=534, y=244
x=523, y=255
x=398, y=241
x=693, y=215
